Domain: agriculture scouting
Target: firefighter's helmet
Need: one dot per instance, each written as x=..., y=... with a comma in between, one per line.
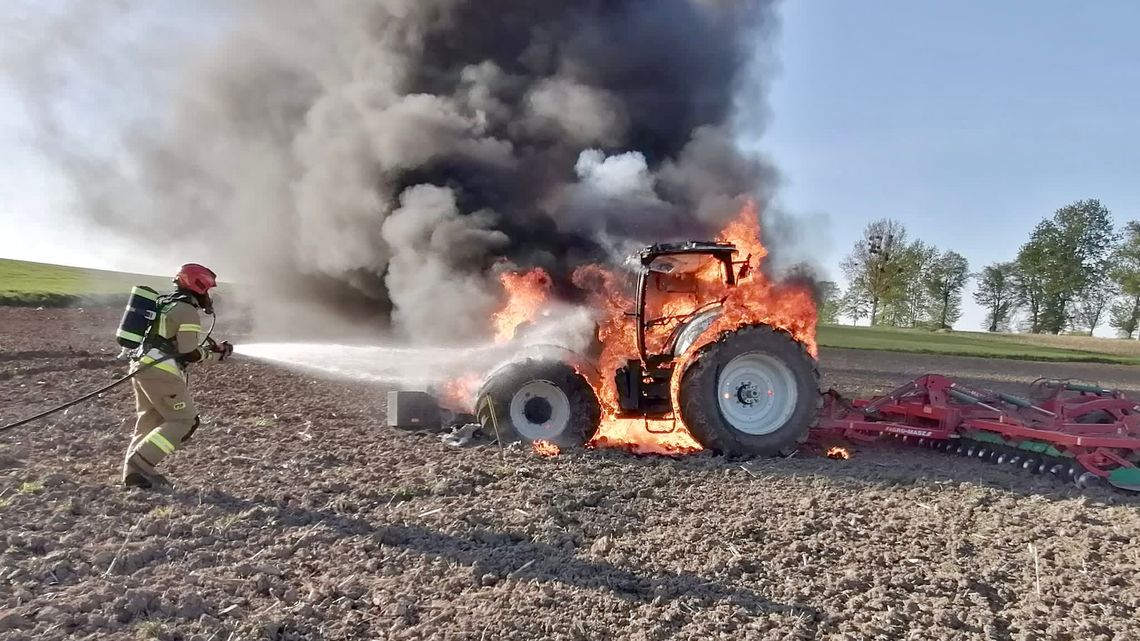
x=196, y=278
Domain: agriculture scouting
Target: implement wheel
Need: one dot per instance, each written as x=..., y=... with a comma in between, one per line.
x=753, y=392
x=539, y=400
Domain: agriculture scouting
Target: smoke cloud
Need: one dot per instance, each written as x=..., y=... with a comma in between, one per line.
x=385, y=158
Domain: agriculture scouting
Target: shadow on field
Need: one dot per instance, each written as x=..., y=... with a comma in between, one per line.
x=512, y=555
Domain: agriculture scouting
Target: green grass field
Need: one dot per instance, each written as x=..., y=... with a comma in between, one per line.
x=25, y=283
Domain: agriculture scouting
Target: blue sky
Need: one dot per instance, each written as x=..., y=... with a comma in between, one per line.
x=969, y=121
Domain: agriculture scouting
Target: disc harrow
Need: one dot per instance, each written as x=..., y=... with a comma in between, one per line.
x=1078, y=431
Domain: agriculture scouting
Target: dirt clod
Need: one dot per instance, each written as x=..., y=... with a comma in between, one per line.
x=602, y=546
x=12, y=620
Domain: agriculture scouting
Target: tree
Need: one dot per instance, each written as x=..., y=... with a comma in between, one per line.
x=1125, y=314
x=1029, y=283
x=854, y=304
x=871, y=263
x=1092, y=303
x=829, y=302
x=997, y=293
x=906, y=305
x=944, y=282
x=1065, y=256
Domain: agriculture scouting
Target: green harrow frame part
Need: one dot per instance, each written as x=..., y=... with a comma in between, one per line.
x=1016, y=401
x=1079, y=431
x=1125, y=478
x=1092, y=389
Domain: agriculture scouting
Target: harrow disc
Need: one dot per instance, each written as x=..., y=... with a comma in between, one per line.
x=1087, y=480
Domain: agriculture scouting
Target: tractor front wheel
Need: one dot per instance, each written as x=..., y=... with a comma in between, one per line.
x=753, y=392
x=539, y=400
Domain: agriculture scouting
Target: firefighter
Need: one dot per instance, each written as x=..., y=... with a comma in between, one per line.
x=166, y=414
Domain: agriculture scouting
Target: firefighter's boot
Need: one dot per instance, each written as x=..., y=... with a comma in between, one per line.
x=146, y=480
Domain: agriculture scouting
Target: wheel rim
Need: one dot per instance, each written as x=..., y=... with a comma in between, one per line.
x=540, y=410
x=756, y=393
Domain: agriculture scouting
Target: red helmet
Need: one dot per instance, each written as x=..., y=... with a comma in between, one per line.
x=196, y=278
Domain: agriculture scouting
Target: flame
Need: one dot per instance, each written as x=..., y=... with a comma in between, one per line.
x=838, y=453
x=527, y=293
x=618, y=335
x=755, y=299
x=645, y=436
x=458, y=394
x=546, y=449
x=744, y=232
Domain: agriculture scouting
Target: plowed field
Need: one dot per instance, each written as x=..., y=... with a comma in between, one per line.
x=298, y=515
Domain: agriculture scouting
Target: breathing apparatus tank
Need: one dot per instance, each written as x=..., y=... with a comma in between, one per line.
x=142, y=309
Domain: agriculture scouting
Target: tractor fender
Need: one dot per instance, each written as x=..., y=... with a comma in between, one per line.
x=691, y=330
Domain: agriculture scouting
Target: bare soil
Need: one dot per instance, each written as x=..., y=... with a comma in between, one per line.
x=297, y=514
x=868, y=372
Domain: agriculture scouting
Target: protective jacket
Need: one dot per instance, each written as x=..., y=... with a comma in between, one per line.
x=177, y=332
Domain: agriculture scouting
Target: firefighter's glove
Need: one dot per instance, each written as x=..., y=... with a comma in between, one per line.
x=223, y=349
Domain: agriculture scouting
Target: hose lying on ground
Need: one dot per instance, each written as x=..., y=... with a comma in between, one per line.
x=78, y=400
x=101, y=390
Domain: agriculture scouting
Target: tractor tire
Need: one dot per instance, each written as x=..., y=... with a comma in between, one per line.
x=536, y=400
x=752, y=392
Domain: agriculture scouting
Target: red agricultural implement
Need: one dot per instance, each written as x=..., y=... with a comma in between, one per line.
x=1080, y=432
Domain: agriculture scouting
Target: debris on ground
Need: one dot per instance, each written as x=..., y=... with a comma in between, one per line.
x=462, y=435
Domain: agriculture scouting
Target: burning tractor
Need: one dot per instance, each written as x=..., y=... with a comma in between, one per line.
x=740, y=386
x=709, y=354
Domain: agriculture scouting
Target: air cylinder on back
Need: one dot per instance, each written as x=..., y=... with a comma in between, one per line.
x=142, y=308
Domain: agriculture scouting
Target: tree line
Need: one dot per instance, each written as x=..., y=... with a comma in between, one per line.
x=1076, y=272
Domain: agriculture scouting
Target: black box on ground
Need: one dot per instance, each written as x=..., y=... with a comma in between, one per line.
x=414, y=410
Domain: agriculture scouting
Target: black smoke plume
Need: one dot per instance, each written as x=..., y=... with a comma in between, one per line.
x=389, y=156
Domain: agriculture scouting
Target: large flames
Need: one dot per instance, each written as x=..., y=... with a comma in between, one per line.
x=618, y=335
x=754, y=300
x=527, y=293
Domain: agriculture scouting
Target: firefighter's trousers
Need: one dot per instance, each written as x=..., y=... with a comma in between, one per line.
x=166, y=417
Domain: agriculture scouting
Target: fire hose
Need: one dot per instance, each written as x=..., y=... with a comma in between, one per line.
x=105, y=388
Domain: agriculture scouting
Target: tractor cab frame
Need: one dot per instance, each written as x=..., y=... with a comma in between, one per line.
x=643, y=384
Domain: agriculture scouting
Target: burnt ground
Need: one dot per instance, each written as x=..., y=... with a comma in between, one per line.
x=299, y=515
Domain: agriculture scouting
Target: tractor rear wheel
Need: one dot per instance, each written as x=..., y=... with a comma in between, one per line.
x=752, y=392
x=535, y=400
